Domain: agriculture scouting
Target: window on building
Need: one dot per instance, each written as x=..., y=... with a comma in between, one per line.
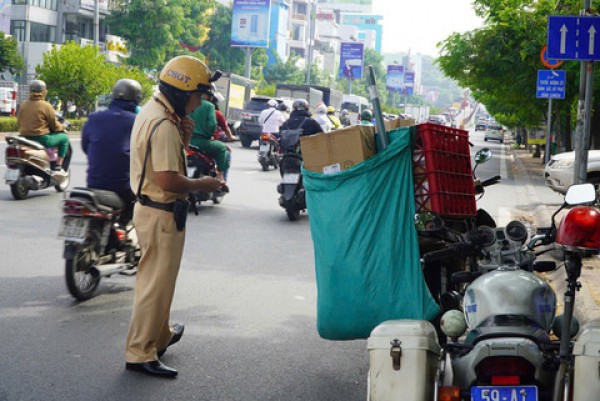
x=298, y=32
x=297, y=51
x=17, y=29
x=19, y=2
x=42, y=33
x=47, y=4
x=300, y=8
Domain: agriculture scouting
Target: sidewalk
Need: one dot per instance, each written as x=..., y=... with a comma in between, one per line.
x=531, y=171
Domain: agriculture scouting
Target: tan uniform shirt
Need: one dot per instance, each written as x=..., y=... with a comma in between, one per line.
x=167, y=152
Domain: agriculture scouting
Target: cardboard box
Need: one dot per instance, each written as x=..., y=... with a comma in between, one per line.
x=398, y=123
x=338, y=150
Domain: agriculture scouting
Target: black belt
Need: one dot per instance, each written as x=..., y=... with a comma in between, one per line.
x=145, y=201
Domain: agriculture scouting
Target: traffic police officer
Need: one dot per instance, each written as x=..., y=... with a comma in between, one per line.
x=158, y=164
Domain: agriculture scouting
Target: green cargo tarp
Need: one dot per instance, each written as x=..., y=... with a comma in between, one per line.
x=365, y=243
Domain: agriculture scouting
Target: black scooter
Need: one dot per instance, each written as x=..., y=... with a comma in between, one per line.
x=291, y=189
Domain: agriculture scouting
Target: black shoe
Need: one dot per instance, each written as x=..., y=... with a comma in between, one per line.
x=153, y=368
x=177, y=334
x=57, y=167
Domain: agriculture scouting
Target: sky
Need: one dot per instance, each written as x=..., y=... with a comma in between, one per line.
x=419, y=25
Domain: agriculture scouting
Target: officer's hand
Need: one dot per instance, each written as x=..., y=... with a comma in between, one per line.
x=187, y=127
x=209, y=184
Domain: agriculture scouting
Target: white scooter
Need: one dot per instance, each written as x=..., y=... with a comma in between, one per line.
x=508, y=316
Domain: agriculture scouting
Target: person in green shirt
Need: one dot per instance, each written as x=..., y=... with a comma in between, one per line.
x=204, y=130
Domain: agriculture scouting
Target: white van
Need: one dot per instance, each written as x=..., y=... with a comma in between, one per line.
x=8, y=101
x=437, y=119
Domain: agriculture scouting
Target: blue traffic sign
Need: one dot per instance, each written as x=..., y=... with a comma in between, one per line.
x=574, y=37
x=551, y=84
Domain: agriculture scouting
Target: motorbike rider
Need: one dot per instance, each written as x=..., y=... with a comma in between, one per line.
x=345, y=118
x=301, y=117
x=332, y=117
x=205, y=126
x=106, y=137
x=223, y=132
x=271, y=118
x=366, y=117
x=37, y=121
x=322, y=119
x=160, y=134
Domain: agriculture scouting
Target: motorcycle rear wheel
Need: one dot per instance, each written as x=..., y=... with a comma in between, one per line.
x=18, y=190
x=80, y=281
x=265, y=165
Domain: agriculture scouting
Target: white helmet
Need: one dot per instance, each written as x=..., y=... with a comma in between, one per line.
x=321, y=109
x=272, y=102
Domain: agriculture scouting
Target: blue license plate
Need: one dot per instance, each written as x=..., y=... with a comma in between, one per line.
x=504, y=393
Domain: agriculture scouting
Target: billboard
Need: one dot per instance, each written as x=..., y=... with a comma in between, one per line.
x=343, y=2
x=394, y=80
x=250, y=23
x=351, y=60
x=409, y=83
x=90, y=4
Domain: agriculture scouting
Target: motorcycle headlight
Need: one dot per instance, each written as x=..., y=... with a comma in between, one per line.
x=563, y=164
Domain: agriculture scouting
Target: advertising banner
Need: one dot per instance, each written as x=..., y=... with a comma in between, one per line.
x=343, y=2
x=409, y=83
x=250, y=23
x=90, y=4
x=351, y=60
x=394, y=80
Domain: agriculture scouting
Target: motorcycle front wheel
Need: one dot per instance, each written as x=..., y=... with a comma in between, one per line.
x=80, y=281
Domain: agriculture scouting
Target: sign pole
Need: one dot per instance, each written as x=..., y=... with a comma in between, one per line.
x=548, y=134
x=248, y=62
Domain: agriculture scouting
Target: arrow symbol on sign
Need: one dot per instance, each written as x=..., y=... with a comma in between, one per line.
x=563, y=39
x=592, y=32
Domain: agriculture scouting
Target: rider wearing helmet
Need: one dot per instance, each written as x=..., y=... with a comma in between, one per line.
x=205, y=128
x=271, y=118
x=37, y=121
x=158, y=177
x=105, y=136
x=366, y=117
x=322, y=119
x=334, y=120
x=300, y=116
x=345, y=118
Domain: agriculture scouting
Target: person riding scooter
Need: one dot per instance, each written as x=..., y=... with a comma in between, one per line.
x=37, y=121
x=300, y=116
x=106, y=136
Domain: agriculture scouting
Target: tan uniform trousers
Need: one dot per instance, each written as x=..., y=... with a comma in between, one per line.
x=161, y=246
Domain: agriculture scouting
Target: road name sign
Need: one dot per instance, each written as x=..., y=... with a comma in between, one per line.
x=551, y=84
x=573, y=37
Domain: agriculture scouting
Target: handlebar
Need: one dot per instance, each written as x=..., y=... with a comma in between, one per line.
x=490, y=181
x=449, y=251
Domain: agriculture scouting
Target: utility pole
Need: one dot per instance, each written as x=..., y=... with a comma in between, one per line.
x=311, y=35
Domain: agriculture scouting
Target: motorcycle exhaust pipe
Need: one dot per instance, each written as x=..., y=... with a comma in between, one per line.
x=109, y=269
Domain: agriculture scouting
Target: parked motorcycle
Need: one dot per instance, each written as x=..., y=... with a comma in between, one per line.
x=29, y=167
x=291, y=189
x=508, y=315
x=98, y=243
x=202, y=165
x=268, y=151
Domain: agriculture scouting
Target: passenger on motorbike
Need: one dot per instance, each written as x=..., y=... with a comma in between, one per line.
x=205, y=126
x=300, y=116
x=37, y=121
x=105, y=139
x=332, y=117
x=366, y=117
x=223, y=132
x=322, y=119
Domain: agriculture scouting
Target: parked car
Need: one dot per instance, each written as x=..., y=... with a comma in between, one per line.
x=494, y=135
x=481, y=125
x=250, y=129
x=437, y=119
x=559, y=171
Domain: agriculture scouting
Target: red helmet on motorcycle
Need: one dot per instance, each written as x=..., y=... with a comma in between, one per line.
x=579, y=230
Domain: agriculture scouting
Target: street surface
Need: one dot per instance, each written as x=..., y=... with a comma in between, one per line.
x=246, y=293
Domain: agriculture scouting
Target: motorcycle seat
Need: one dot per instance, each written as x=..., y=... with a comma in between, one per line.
x=14, y=140
x=508, y=326
x=100, y=197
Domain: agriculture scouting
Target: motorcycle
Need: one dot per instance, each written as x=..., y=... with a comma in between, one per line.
x=268, y=151
x=437, y=272
x=97, y=242
x=503, y=330
x=29, y=167
x=291, y=189
x=202, y=165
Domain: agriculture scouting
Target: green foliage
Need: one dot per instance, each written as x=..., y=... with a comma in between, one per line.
x=219, y=52
x=266, y=90
x=9, y=124
x=75, y=73
x=78, y=74
x=10, y=58
x=285, y=72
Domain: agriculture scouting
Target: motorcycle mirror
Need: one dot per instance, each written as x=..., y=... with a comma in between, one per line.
x=428, y=222
x=580, y=194
x=483, y=155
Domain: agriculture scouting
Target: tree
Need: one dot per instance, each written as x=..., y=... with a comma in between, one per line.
x=217, y=48
x=10, y=59
x=75, y=73
x=284, y=72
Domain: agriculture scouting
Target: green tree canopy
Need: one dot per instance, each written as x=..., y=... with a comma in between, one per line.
x=10, y=59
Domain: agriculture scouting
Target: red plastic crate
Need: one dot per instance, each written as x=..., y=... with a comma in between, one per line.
x=442, y=175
